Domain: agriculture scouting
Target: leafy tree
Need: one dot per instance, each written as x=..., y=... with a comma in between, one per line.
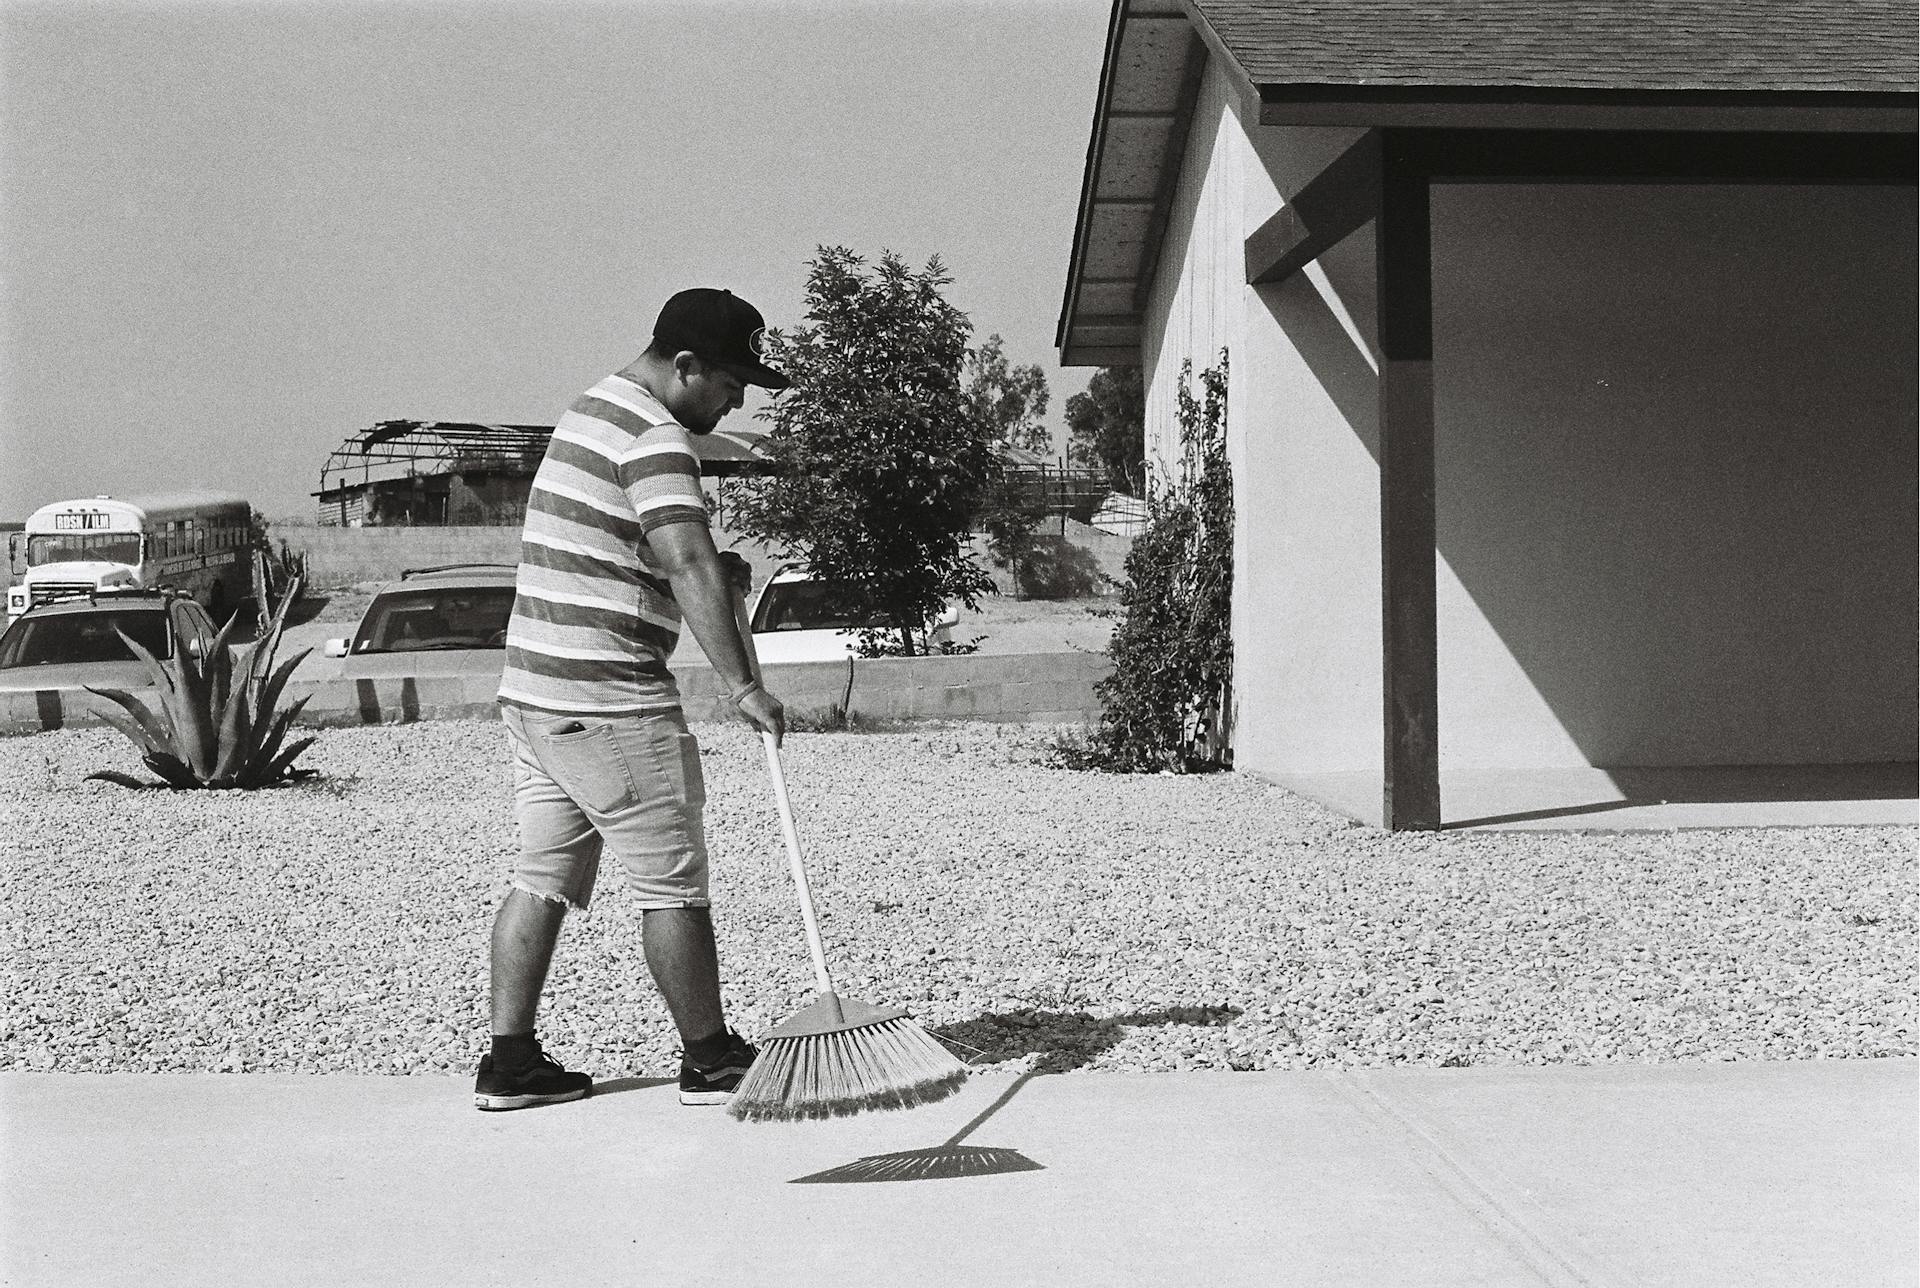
x=1010, y=511
x=1007, y=402
x=1106, y=428
x=878, y=465
x=1009, y=399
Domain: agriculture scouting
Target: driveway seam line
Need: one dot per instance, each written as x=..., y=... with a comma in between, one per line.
x=1554, y=1259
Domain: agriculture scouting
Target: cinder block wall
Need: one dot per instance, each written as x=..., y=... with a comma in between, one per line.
x=339, y=557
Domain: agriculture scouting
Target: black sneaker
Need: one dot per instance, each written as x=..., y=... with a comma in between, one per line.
x=541, y=1083
x=714, y=1085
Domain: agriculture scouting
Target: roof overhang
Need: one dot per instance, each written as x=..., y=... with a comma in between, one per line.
x=1148, y=84
x=1156, y=54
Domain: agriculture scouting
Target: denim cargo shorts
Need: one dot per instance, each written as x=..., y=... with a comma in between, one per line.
x=628, y=784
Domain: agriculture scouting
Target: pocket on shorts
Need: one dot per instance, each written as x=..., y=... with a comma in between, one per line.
x=589, y=767
x=664, y=764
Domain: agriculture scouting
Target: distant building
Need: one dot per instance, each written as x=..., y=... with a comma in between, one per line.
x=438, y=473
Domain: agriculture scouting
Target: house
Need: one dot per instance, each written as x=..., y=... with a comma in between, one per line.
x=1572, y=397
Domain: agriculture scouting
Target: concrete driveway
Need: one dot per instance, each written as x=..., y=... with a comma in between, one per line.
x=1748, y=1176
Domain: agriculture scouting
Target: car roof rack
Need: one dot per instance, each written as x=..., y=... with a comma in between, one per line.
x=95, y=592
x=453, y=567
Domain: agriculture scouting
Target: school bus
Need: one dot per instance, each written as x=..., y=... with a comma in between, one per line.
x=198, y=543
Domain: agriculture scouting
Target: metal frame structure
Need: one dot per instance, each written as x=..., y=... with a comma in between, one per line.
x=396, y=449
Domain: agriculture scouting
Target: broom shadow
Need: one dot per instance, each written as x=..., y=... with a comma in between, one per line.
x=1060, y=1040
x=944, y=1161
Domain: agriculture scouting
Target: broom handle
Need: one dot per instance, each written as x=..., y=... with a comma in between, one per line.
x=793, y=862
x=787, y=829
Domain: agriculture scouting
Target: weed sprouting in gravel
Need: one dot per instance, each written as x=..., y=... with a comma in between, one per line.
x=837, y=719
x=1072, y=749
x=338, y=786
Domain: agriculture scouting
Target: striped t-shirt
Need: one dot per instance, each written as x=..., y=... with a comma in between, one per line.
x=594, y=619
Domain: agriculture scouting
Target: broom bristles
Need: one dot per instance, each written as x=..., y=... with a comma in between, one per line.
x=894, y=1064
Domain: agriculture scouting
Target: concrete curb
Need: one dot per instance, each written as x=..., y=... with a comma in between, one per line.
x=1038, y=687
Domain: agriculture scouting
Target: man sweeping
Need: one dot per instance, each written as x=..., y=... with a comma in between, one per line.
x=616, y=553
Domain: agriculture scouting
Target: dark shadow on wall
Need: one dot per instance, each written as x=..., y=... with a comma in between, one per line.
x=1675, y=455
x=1676, y=459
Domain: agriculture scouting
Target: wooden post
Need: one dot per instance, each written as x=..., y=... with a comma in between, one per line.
x=1409, y=636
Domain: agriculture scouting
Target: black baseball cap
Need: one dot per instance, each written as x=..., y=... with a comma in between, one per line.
x=720, y=327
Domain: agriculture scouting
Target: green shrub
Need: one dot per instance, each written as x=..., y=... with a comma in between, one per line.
x=217, y=723
x=1167, y=704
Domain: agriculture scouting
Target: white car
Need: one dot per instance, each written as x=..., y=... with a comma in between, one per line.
x=73, y=643
x=445, y=621
x=794, y=620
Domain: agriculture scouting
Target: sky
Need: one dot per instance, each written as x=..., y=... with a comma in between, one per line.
x=233, y=235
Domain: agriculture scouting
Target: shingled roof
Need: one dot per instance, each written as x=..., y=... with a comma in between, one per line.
x=1858, y=45
x=1654, y=65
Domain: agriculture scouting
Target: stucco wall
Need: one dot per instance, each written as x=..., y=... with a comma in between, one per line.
x=1301, y=429
x=1675, y=454
x=1676, y=457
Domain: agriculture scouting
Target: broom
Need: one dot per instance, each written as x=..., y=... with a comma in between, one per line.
x=838, y=1056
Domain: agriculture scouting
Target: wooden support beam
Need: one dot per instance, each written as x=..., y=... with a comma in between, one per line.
x=1334, y=203
x=1621, y=156
x=1409, y=629
x=1505, y=109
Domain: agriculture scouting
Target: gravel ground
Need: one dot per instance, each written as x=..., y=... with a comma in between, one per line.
x=1025, y=913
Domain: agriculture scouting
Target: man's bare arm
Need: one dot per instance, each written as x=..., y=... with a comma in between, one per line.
x=702, y=588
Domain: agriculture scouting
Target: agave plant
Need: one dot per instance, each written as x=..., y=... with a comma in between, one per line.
x=217, y=723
